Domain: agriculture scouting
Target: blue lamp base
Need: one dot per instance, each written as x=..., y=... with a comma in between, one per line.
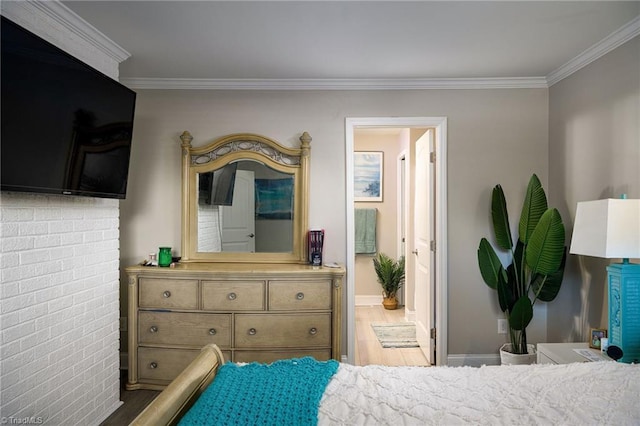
x=624, y=309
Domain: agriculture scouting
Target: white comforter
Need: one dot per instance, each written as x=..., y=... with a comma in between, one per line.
x=590, y=393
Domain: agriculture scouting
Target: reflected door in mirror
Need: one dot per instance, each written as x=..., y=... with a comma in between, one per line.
x=238, y=221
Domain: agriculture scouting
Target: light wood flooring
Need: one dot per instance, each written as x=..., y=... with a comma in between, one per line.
x=368, y=351
x=368, y=348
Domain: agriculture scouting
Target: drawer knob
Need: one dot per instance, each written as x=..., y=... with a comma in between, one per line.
x=232, y=296
x=313, y=331
x=166, y=294
x=212, y=331
x=252, y=332
x=300, y=296
x=153, y=365
x=153, y=329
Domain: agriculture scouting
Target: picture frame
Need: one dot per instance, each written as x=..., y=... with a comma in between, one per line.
x=597, y=334
x=368, y=176
x=274, y=198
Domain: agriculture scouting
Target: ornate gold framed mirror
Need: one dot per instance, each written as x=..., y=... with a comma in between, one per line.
x=245, y=199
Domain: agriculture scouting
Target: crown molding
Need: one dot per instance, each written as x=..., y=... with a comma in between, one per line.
x=336, y=84
x=606, y=45
x=65, y=17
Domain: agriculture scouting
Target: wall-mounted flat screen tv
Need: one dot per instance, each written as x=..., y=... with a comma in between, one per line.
x=66, y=127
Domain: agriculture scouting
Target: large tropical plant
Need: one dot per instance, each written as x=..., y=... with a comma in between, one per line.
x=390, y=274
x=536, y=261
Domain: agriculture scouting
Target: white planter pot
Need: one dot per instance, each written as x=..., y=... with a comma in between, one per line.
x=508, y=358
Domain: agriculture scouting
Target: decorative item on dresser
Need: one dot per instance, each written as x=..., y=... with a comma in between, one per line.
x=252, y=293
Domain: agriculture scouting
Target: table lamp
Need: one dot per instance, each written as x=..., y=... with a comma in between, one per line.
x=611, y=229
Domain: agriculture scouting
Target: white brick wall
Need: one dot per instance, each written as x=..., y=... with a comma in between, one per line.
x=59, y=281
x=59, y=312
x=209, y=228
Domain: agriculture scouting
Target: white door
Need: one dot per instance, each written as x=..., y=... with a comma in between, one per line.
x=423, y=235
x=238, y=220
x=402, y=216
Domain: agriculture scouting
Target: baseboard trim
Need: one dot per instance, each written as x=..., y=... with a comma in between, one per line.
x=472, y=360
x=409, y=315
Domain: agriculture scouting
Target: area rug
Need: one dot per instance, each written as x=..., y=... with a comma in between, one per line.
x=396, y=335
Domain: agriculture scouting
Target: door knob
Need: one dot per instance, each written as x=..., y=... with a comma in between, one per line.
x=251, y=235
x=414, y=251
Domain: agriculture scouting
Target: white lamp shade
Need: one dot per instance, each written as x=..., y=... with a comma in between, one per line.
x=607, y=228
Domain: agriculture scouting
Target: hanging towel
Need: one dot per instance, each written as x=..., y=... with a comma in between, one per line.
x=365, y=221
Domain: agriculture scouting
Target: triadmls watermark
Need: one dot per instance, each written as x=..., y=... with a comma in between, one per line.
x=28, y=420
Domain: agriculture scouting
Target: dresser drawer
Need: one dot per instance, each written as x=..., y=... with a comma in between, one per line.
x=177, y=328
x=168, y=293
x=233, y=295
x=282, y=330
x=299, y=295
x=271, y=356
x=163, y=364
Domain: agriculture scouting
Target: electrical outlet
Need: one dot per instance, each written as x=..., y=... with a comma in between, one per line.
x=502, y=326
x=123, y=323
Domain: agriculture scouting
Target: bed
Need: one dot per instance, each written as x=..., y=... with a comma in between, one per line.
x=602, y=393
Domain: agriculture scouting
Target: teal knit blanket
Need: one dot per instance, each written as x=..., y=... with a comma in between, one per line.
x=286, y=392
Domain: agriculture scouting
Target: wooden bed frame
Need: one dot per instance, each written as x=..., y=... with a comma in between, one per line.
x=603, y=393
x=174, y=401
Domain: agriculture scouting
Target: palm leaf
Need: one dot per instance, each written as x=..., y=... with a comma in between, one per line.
x=500, y=219
x=534, y=206
x=519, y=272
x=490, y=266
x=547, y=286
x=521, y=314
x=545, y=250
x=505, y=294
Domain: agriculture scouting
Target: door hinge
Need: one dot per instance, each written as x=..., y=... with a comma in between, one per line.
x=433, y=333
x=432, y=157
x=433, y=245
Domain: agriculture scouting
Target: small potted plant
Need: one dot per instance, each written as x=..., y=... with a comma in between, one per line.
x=391, y=277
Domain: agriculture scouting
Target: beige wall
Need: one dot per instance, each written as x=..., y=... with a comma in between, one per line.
x=594, y=137
x=494, y=136
x=387, y=217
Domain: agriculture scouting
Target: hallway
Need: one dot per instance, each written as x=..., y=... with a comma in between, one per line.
x=367, y=346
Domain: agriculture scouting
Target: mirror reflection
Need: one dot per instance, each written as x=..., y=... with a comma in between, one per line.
x=245, y=206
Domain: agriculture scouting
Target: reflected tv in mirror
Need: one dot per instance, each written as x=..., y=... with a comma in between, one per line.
x=216, y=187
x=66, y=127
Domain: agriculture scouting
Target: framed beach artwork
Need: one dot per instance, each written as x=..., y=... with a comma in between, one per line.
x=367, y=176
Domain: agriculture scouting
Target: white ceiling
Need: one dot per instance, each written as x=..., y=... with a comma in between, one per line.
x=358, y=41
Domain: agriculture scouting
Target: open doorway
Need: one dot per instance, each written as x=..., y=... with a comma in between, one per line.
x=438, y=126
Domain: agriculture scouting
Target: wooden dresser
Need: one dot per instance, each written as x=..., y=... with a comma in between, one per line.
x=253, y=312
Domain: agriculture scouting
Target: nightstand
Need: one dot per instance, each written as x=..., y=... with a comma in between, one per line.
x=563, y=353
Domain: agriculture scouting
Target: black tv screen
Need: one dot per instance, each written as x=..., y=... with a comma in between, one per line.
x=66, y=127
